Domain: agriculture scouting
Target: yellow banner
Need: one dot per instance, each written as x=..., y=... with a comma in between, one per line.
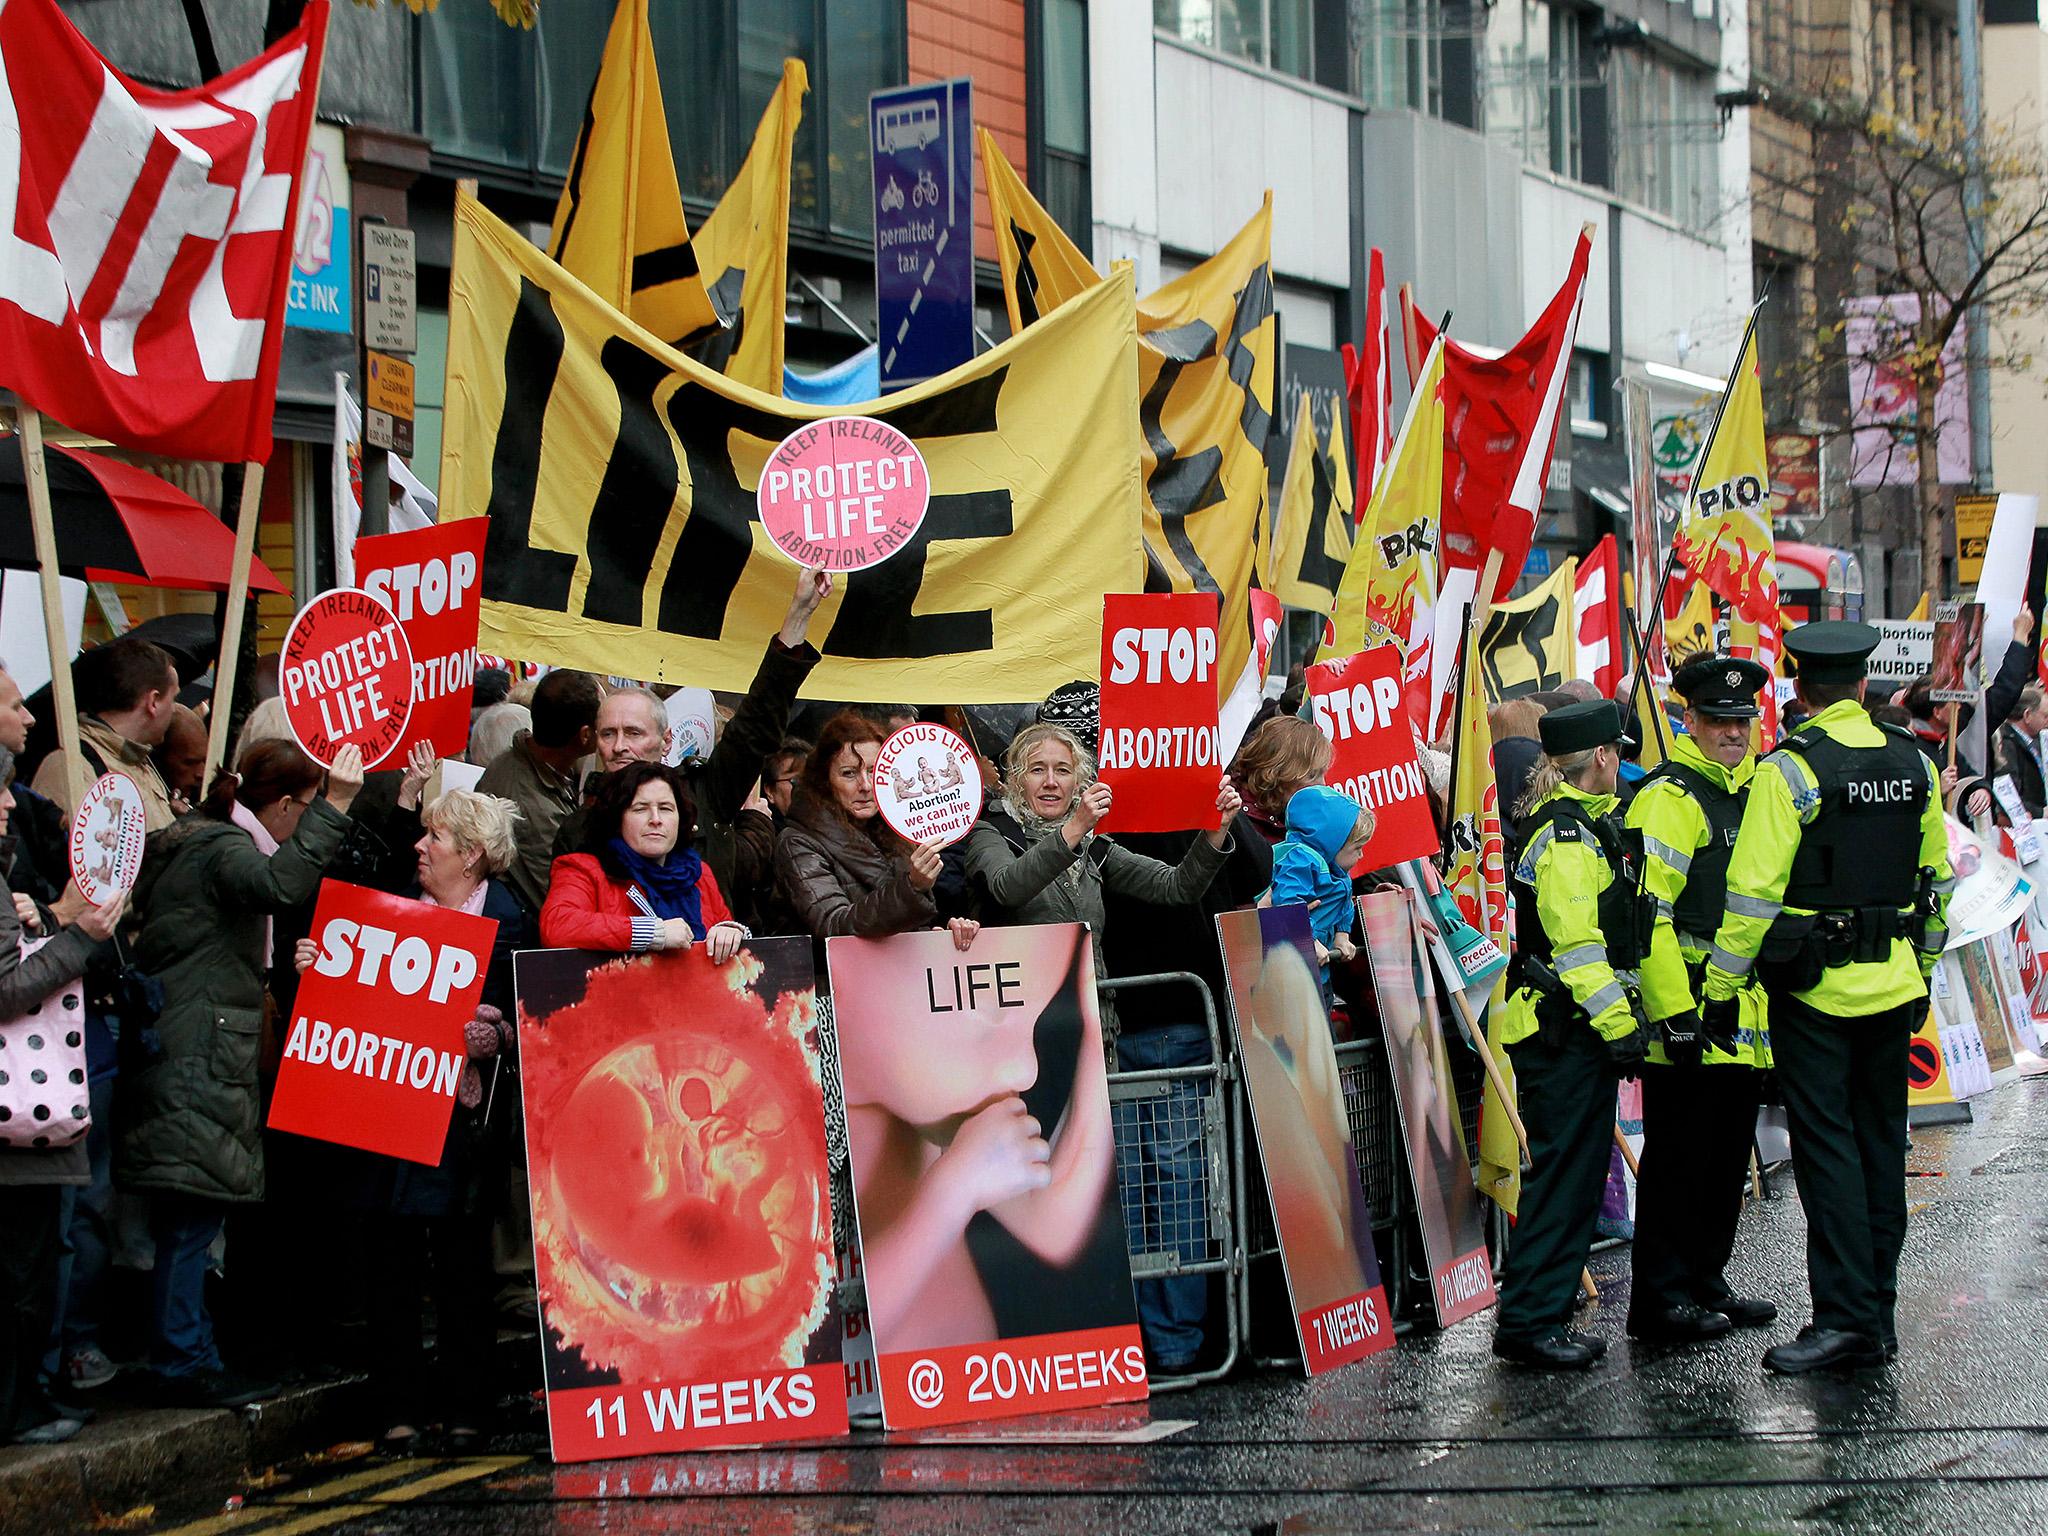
x=1725, y=535
x=619, y=477
x=1499, y=1172
x=619, y=224
x=1206, y=345
x=1042, y=267
x=1477, y=872
x=743, y=247
x=1528, y=645
x=1310, y=544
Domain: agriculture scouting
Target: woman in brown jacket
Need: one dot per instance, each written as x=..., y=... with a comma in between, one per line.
x=842, y=869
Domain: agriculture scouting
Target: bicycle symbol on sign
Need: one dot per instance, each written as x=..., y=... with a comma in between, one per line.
x=926, y=192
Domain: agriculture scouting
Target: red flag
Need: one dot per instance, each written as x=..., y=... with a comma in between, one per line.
x=1500, y=424
x=1369, y=382
x=1596, y=606
x=146, y=236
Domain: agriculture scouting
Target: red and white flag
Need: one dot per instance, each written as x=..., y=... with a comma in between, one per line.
x=1596, y=617
x=145, y=236
x=1369, y=381
x=1500, y=423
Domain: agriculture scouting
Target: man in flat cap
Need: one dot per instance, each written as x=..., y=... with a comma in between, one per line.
x=1572, y=1025
x=1700, y=1092
x=1837, y=895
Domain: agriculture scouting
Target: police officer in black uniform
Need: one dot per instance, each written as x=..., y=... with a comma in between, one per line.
x=1572, y=1024
x=1837, y=897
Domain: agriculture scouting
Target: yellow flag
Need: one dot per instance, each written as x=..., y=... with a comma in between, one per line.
x=1206, y=352
x=1477, y=873
x=619, y=475
x=743, y=247
x=1725, y=536
x=1528, y=644
x=1042, y=268
x=1390, y=585
x=1651, y=719
x=1924, y=609
x=1499, y=1171
x=619, y=225
x=1692, y=632
x=1310, y=542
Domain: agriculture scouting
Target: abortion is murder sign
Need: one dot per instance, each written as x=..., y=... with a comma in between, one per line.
x=375, y=1050
x=1356, y=702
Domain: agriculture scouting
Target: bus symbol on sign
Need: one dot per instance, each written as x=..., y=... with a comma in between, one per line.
x=910, y=126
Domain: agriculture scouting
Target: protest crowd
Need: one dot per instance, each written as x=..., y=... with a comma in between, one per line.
x=687, y=1011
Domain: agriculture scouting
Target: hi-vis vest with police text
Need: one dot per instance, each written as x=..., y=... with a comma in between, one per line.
x=1862, y=848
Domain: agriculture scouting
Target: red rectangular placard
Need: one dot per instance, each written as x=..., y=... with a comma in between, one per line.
x=1161, y=749
x=429, y=579
x=1356, y=702
x=375, y=1050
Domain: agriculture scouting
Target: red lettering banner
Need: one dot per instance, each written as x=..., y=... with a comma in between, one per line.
x=145, y=237
x=1162, y=750
x=376, y=1046
x=427, y=577
x=1043, y=1373
x=1356, y=702
x=598, y=1423
x=1344, y=1331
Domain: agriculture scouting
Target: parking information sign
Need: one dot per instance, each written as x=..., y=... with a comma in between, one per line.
x=922, y=138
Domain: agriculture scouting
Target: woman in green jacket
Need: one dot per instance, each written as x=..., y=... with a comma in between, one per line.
x=191, y=1124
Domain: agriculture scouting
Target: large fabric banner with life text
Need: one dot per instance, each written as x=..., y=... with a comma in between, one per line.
x=620, y=475
x=682, y=1213
x=146, y=236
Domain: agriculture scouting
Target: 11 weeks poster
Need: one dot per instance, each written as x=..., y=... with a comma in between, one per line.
x=682, y=1218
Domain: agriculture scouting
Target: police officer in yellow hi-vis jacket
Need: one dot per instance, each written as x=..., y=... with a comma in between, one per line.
x=1837, y=895
x=1700, y=1092
x=1573, y=1024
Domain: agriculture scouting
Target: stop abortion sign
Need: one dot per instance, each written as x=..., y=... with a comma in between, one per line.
x=346, y=676
x=843, y=493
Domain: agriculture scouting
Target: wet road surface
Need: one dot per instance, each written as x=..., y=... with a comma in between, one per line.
x=1434, y=1436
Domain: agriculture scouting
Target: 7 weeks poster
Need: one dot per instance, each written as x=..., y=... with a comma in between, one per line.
x=682, y=1219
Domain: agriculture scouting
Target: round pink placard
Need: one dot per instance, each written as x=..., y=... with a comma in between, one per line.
x=843, y=493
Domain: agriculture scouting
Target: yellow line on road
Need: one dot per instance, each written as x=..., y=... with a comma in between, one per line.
x=254, y=1519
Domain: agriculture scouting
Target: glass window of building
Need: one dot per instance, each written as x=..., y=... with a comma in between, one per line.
x=1398, y=52
x=1309, y=39
x=1667, y=136
x=1531, y=83
x=1058, y=83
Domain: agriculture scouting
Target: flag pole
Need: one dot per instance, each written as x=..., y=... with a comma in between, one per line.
x=231, y=624
x=62, y=699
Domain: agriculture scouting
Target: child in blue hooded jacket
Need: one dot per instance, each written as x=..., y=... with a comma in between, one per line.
x=1326, y=833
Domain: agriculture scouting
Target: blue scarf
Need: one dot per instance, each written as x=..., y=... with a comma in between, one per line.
x=671, y=888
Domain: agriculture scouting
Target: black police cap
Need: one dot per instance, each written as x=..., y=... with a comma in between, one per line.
x=1578, y=727
x=1724, y=687
x=1832, y=650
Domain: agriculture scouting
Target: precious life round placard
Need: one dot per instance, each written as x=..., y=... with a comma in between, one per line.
x=928, y=784
x=843, y=493
x=106, y=838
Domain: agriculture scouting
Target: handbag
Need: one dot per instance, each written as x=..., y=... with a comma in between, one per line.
x=44, y=1098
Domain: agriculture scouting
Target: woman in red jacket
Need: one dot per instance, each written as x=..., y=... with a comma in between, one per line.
x=638, y=885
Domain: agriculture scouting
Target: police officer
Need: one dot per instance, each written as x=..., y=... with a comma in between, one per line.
x=1699, y=1094
x=1572, y=1026
x=1837, y=894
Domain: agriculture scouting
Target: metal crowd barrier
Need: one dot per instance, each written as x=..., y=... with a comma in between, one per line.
x=1176, y=1129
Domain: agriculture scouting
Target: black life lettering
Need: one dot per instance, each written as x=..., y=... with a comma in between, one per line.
x=515, y=572
x=638, y=488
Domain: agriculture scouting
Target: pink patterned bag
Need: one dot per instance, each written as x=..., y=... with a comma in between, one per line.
x=43, y=1093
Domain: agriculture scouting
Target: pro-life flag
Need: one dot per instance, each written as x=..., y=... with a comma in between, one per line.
x=619, y=224
x=1389, y=590
x=146, y=237
x=743, y=247
x=1725, y=536
x=1500, y=424
x=1596, y=617
x=1312, y=530
x=1206, y=348
x=1528, y=644
x=620, y=476
x=1369, y=386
